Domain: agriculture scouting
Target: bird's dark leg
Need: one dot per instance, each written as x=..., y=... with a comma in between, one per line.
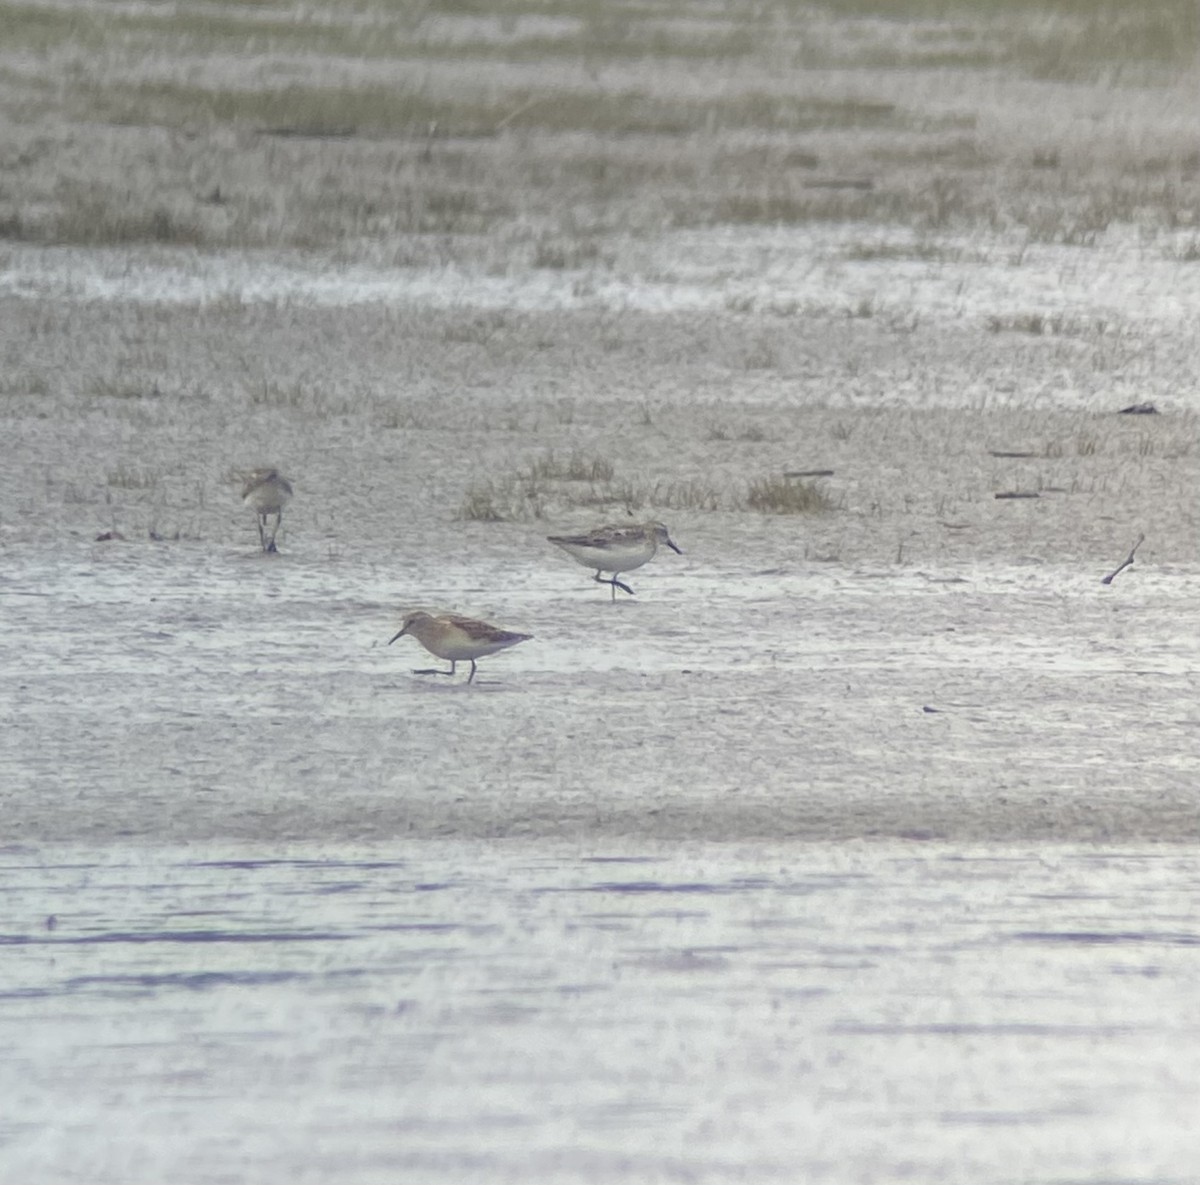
x=472, y=674
x=262, y=531
x=278, y=519
x=435, y=671
x=614, y=583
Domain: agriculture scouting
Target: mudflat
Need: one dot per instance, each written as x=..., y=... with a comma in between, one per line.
x=856, y=326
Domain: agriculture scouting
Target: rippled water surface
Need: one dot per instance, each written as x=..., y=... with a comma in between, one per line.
x=512, y=1011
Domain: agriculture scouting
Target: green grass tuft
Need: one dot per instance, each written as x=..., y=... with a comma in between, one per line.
x=576, y=467
x=132, y=477
x=781, y=495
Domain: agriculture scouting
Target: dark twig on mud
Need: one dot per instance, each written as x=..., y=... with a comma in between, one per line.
x=1127, y=564
x=314, y=132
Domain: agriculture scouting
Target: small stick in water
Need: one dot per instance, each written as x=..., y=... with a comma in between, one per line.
x=1127, y=564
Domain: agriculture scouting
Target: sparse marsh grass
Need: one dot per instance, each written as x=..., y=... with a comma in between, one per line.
x=282, y=395
x=122, y=387
x=132, y=477
x=301, y=396
x=495, y=147
x=1086, y=442
x=488, y=133
x=27, y=384
x=1067, y=225
x=539, y=492
x=440, y=210
x=394, y=416
x=958, y=151
x=1070, y=39
x=114, y=220
x=750, y=434
x=39, y=29
x=924, y=206
x=1047, y=324
x=562, y=254
x=485, y=503
x=922, y=251
x=380, y=29
x=690, y=494
x=627, y=494
x=547, y=482
x=295, y=110
x=782, y=495
x=576, y=467
x=317, y=110
x=477, y=330
x=788, y=208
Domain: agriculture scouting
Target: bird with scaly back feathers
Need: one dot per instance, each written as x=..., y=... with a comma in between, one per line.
x=615, y=549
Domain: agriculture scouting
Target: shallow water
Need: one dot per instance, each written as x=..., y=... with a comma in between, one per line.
x=519, y=1011
x=776, y=271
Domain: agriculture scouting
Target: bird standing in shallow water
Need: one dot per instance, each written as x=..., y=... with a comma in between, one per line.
x=615, y=549
x=267, y=492
x=456, y=639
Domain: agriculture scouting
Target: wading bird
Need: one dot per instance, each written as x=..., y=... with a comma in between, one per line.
x=267, y=492
x=615, y=549
x=456, y=639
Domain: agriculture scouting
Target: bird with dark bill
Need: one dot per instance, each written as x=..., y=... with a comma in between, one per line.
x=456, y=639
x=615, y=549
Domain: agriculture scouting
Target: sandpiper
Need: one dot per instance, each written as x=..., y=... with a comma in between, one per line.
x=456, y=639
x=615, y=549
x=267, y=492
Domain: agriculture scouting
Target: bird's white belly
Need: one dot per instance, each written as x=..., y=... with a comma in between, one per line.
x=266, y=499
x=612, y=559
